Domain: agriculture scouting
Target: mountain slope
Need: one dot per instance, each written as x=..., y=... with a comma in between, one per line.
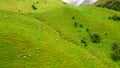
x=52, y=39
x=73, y=24
x=24, y=44
x=50, y=34
x=27, y=6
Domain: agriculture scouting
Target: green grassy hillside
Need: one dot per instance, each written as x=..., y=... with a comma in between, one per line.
x=59, y=36
x=26, y=6
x=74, y=24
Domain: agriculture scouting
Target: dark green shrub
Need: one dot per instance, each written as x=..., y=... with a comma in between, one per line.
x=64, y=3
x=73, y=17
x=114, y=46
x=116, y=52
x=84, y=41
x=110, y=18
x=19, y=11
x=106, y=34
x=81, y=25
x=115, y=56
x=75, y=24
x=115, y=18
x=45, y=2
x=87, y=29
x=37, y=2
x=34, y=7
x=95, y=38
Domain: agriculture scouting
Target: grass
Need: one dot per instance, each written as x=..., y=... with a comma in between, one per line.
x=91, y=18
x=51, y=38
x=25, y=6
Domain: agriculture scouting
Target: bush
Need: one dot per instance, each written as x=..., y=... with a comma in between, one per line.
x=75, y=24
x=34, y=8
x=37, y=2
x=114, y=46
x=87, y=29
x=84, y=41
x=116, y=52
x=95, y=38
x=81, y=25
x=115, y=17
x=45, y=2
x=106, y=34
x=115, y=56
x=73, y=17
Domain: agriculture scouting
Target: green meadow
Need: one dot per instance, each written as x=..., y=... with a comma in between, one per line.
x=51, y=34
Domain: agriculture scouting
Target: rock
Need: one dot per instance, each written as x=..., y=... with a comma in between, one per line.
x=29, y=55
x=20, y=55
x=24, y=56
x=37, y=48
x=39, y=30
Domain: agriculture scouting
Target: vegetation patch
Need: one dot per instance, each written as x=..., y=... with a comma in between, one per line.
x=95, y=38
x=34, y=7
x=116, y=52
x=81, y=25
x=73, y=17
x=37, y=2
x=75, y=24
x=50, y=34
x=115, y=18
x=111, y=4
x=83, y=40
